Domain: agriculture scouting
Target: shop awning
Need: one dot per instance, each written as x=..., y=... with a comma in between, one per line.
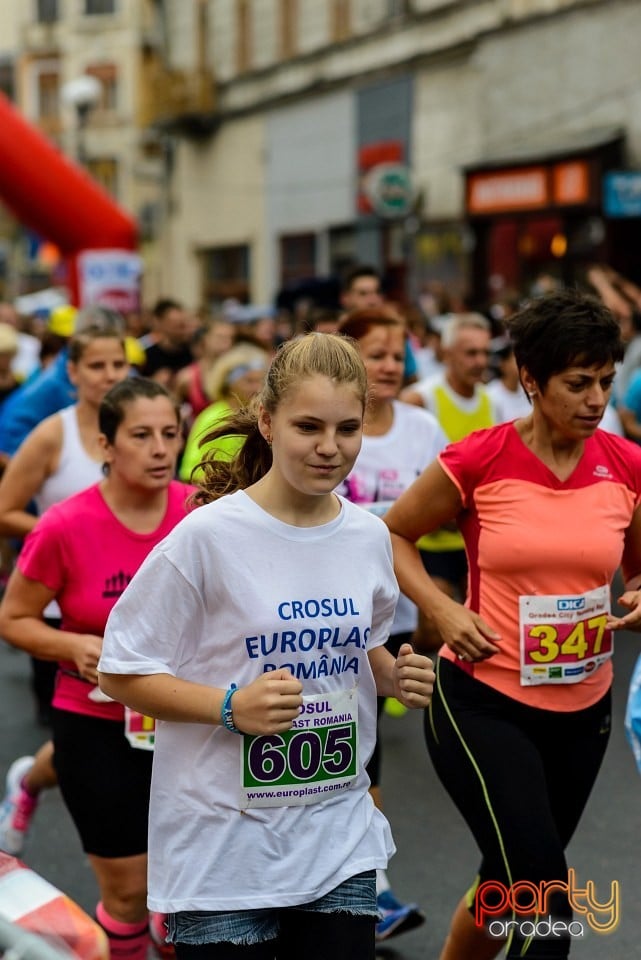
x=544, y=147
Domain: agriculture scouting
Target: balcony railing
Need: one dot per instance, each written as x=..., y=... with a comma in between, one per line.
x=172, y=97
x=41, y=37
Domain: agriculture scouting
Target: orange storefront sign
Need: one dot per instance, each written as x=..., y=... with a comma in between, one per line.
x=571, y=182
x=528, y=188
x=507, y=190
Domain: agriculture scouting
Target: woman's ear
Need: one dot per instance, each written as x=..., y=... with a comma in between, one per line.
x=71, y=372
x=105, y=446
x=265, y=424
x=528, y=382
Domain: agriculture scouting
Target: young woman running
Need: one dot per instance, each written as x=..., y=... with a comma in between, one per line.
x=83, y=552
x=256, y=633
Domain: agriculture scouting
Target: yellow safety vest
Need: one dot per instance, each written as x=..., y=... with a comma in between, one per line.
x=456, y=424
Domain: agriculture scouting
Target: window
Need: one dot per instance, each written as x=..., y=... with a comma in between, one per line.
x=7, y=82
x=47, y=11
x=42, y=94
x=243, y=36
x=149, y=218
x=99, y=6
x=107, y=74
x=288, y=28
x=297, y=257
x=226, y=274
x=397, y=8
x=342, y=250
x=340, y=20
x=48, y=94
x=105, y=171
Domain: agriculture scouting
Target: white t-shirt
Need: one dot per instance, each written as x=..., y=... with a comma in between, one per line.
x=386, y=466
x=27, y=359
x=427, y=362
x=230, y=593
x=611, y=421
x=508, y=404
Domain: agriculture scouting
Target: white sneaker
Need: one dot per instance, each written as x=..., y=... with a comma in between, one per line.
x=17, y=808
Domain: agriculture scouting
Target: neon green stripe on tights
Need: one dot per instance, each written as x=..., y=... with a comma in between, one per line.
x=488, y=802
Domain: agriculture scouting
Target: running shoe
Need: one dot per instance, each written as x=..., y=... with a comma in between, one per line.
x=17, y=808
x=396, y=917
x=158, y=934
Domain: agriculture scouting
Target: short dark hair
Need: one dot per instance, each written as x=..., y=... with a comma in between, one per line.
x=114, y=405
x=357, y=271
x=51, y=344
x=562, y=329
x=316, y=315
x=163, y=306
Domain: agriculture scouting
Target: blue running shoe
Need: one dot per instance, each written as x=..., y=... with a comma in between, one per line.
x=396, y=917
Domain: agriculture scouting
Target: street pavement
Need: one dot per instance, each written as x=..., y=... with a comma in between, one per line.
x=436, y=858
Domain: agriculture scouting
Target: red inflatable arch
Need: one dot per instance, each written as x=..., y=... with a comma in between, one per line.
x=56, y=198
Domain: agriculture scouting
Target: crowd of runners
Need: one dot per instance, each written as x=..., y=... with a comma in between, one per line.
x=206, y=521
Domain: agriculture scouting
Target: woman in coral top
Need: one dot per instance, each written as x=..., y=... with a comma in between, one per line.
x=548, y=506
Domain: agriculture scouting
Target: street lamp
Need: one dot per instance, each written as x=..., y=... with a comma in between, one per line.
x=82, y=93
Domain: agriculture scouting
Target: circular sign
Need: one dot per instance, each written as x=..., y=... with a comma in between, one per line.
x=390, y=190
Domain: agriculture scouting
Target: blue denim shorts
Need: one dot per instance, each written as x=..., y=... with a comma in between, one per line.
x=244, y=927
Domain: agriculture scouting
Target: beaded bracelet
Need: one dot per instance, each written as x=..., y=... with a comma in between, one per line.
x=226, y=714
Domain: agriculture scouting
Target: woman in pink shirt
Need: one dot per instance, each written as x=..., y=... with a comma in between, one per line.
x=83, y=552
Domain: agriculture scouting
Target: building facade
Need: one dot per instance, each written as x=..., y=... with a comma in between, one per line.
x=478, y=143
x=48, y=49
x=465, y=142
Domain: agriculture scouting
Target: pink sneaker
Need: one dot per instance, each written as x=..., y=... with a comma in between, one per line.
x=17, y=809
x=158, y=934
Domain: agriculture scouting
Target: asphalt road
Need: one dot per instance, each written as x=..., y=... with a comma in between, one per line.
x=436, y=858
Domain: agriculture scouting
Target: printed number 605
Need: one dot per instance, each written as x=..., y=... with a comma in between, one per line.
x=305, y=753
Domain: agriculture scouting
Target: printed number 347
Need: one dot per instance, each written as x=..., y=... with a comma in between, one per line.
x=585, y=637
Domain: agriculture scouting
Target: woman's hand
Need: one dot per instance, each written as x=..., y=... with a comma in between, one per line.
x=413, y=678
x=269, y=704
x=631, y=599
x=86, y=656
x=465, y=632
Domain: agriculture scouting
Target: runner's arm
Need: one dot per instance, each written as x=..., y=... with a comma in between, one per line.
x=408, y=677
x=432, y=500
x=24, y=476
x=631, y=565
x=266, y=705
x=22, y=626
